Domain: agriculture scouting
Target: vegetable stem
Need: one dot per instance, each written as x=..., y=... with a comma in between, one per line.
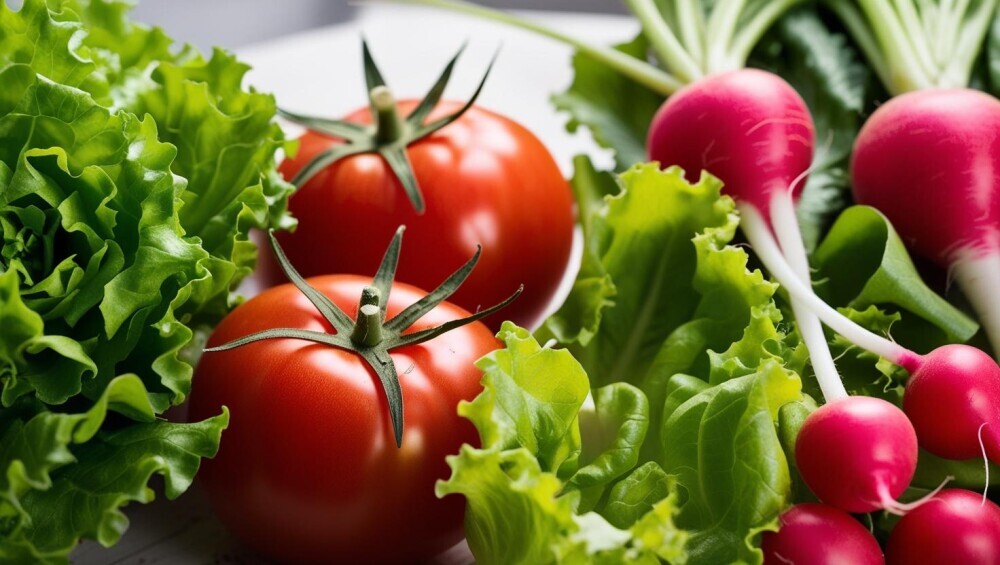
x=905, y=70
x=691, y=23
x=979, y=277
x=769, y=253
x=389, y=127
x=721, y=27
x=749, y=35
x=786, y=228
x=910, y=22
x=368, y=329
x=668, y=49
x=638, y=70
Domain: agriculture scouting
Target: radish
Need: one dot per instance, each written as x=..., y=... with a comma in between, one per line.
x=955, y=526
x=953, y=395
x=857, y=437
x=930, y=161
x=820, y=535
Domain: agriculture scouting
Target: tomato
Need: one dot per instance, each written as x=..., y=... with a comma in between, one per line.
x=486, y=181
x=308, y=469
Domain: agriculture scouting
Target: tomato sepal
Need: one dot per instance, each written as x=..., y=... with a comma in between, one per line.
x=390, y=135
x=370, y=336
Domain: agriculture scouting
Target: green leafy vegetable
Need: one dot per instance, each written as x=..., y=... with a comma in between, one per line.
x=130, y=175
x=866, y=263
x=517, y=490
x=615, y=108
x=685, y=341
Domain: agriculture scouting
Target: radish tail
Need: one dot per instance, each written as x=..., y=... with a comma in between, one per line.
x=979, y=278
x=769, y=253
x=786, y=227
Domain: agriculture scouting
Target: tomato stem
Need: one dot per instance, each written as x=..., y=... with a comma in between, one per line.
x=370, y=295
x=390, y=128
x=368, y=329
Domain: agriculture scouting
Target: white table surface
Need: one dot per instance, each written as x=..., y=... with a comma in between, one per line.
x=319, y=72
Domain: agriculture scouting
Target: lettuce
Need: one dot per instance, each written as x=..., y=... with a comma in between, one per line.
x=698, y=384
x=678, y=455
x=131, y=172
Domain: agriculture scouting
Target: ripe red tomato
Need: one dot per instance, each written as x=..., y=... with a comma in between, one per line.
x=308, y=469
x=485, y=180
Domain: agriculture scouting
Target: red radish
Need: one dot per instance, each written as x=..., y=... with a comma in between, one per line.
x=930, y=161
x=820, y=535
x=955, y=526
x=953, y=393
x=747, y=127
x=857, y=453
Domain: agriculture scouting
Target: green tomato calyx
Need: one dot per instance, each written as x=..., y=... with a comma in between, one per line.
x=371, y=336
x=390, y=134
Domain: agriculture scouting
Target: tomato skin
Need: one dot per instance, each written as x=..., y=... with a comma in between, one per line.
x=485, y=180
x=308, y=470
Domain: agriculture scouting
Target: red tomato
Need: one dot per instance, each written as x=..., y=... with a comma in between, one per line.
x=308, y=469
x=485, y=180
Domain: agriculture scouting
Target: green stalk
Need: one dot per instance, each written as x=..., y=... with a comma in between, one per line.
x=919, y=40
x=640, y=71
x=691, y=23
x=749, y=35
x=933, y=28
x=389, y=127
x=721, y=27
x=905, y=72
x=368, y=329
x=665, y=44
x=855, y=23
x=970, y=43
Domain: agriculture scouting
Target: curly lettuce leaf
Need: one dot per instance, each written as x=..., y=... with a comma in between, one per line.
x=514, y=491
x=131, y=172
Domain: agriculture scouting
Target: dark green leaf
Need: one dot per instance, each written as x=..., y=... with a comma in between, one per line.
x=616, y=109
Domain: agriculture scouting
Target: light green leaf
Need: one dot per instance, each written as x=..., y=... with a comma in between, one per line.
x=615, y=431
x=723, y=447
x=864, y=262
x=517, y=408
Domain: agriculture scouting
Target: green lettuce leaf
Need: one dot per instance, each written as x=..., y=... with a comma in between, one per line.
x=513, y=487
x=131, y=172
x=692, y=366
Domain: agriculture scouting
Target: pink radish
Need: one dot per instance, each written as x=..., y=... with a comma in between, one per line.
x=955, y=526
x=930, y=161
x=856, y=437
x=952, y=396
x=753, y=131
x=820, y=535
